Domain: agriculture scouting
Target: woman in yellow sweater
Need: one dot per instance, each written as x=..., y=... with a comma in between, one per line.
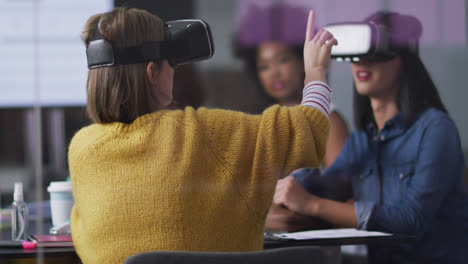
x=148, y=178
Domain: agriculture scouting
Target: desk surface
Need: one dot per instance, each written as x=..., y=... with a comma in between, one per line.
x=68, y=254
x=31, y=253
x=269, y=244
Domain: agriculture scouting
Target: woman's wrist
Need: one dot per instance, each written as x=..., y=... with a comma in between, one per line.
x=317, y=74
x=313, y=206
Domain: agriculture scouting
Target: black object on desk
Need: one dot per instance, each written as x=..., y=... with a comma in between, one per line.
x=16, y=244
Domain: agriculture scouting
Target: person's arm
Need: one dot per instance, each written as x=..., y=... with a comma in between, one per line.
x=317, y=49
x=314, y=182
x=337, y=138
x=281, y=219
x=336, y=186
x=257, y=150
x=282, y=138
x=291, y=194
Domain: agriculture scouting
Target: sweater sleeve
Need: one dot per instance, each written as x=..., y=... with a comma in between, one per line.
x=317, y=94
x=256, y=150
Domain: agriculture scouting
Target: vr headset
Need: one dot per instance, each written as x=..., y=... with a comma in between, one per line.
x=357, y=40
x=185, y=41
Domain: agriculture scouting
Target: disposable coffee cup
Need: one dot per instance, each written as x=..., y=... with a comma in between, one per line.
x=61, y=201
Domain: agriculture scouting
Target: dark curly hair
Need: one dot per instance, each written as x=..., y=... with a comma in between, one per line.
x=249, y=57
x=279, y=22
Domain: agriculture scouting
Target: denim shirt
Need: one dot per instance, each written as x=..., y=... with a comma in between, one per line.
x=407, y=181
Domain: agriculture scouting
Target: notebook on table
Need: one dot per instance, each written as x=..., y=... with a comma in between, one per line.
x=52, y=240
x=342, y=233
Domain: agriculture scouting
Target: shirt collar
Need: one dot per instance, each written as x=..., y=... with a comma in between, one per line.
x=392, y=128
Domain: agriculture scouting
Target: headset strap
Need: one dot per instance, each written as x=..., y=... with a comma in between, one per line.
x=101, y=53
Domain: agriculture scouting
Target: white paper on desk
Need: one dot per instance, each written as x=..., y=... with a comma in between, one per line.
x=331, y=233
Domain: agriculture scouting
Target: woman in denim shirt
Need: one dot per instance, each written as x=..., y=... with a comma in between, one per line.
x=404, y=160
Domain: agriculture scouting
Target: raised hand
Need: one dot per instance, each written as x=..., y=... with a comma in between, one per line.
x=317, y=49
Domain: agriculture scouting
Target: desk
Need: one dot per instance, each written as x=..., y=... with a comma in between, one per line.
x=331, y=247
x=50, y=255
x=26, y=256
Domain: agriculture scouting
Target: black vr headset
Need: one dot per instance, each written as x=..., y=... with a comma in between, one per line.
x=356, y=40
x=185, y=41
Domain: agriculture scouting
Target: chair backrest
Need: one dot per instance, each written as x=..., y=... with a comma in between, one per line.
x=271, y=256
x=466, y=178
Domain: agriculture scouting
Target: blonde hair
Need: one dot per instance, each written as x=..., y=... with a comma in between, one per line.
x=121, y=93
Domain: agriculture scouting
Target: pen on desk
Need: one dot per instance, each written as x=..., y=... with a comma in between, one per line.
x=16, y=244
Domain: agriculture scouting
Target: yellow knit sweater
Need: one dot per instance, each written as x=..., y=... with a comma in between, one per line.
x=185, y=180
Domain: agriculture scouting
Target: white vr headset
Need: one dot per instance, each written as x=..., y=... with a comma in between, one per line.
x=356, y=40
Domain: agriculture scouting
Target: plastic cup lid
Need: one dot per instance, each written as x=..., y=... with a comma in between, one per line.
x=60, y=186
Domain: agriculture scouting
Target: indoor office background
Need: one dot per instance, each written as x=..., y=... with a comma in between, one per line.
x=37, y=124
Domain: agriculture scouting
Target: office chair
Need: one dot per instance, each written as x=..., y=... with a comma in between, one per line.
x=466, y=178
x=271, y=256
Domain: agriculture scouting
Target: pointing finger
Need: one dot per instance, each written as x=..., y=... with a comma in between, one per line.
x=310, y=26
